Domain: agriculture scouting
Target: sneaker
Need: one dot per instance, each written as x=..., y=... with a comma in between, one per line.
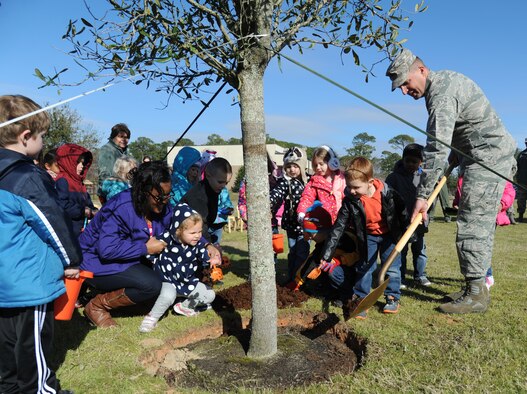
x=180, y=309
x=423, y=281
x=362, y=316
x=148, y=324
x=403, y=286
x=489, y=281
x=392, y=305
x=337, y=303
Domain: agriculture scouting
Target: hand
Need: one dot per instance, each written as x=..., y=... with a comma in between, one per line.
x=421, y=205
x=72, y=273
x=214, y=255
x=155, y=246
x=301, y=216
x=329, y=266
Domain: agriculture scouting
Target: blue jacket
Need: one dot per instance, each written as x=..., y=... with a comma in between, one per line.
x=185, y=158
x=115, y=239
x=37, y=241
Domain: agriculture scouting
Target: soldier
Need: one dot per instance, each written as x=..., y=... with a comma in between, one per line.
x=521, y=177
x=459, y=113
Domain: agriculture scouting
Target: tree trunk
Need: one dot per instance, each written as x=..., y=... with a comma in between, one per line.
x=264, y=315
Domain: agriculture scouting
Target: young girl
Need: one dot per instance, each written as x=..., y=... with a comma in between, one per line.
x=49, y=163
x=326, y=185
x=177, y=265
x=288, y=191
x=74, y=162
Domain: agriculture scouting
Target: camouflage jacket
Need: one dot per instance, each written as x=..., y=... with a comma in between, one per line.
x=460, y=114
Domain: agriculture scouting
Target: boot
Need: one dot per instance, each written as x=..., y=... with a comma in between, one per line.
x=97, y=309
x=456, y=294
x=476, y=298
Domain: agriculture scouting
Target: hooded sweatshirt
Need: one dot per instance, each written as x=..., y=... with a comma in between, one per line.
x=73, y=196
x=185, y=159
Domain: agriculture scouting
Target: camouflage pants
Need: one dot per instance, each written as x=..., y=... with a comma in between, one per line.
x=476, y=220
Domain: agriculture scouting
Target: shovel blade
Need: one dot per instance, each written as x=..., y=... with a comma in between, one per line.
x=368, y=301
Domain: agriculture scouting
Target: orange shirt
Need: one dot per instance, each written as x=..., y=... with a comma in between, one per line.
x=375, y=225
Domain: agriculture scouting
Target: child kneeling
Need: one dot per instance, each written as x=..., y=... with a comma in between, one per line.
x=178, y=264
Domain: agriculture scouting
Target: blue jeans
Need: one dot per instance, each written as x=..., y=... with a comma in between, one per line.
x=419, y=258
x=298, y=252
x=341, y=279
x=215, y=234
x=378, y=245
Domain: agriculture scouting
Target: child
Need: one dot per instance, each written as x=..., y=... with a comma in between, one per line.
x=185, y=172
x=74, y=162
x=121, y=177
x=37, y=249
x=204, y=196
x=177, y=264
x=49, y=163
x=404, y=180
x=326, y=185
x=288, y=191
x=376, y=215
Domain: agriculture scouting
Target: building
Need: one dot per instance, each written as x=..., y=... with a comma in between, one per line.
x=234, y=154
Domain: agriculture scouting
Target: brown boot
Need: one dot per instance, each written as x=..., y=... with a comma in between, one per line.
x=97, y=309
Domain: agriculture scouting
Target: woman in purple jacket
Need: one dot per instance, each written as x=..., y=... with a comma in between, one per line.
x=117, y=241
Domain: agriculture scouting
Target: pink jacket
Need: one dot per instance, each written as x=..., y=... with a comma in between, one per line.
x=329, y=194
x=507, y=199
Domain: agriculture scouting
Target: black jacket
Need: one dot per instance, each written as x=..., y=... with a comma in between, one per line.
x=287, y=191
x=203, y=200
x=352, y=217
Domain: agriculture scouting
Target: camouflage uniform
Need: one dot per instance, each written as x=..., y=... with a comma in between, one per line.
x=521, y=177
x=460, y=113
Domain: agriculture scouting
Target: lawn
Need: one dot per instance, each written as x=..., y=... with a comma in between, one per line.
x=417, y=350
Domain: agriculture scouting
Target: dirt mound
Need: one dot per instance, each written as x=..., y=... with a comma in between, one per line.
x=239, y=297
x=311, y=348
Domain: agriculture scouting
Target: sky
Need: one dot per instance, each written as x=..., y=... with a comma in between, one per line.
x=480, y=39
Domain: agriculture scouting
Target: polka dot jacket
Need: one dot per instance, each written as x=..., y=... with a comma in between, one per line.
x=178, y=263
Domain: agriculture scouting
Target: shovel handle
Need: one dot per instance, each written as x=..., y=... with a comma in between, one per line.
x=411, y=228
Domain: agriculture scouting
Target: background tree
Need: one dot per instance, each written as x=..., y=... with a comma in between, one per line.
x=400, y=141
x=186, y=142
x=362, y=145
x=239, y=177
x=185, y=46
x=215, y=139
x=387, y=162
x=141, y=147
x=66, y=128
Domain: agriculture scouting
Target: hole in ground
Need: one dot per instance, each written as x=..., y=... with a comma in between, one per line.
x=311, y=348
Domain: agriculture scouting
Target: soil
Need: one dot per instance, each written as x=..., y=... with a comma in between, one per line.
x=240, y=297
x=311, y=348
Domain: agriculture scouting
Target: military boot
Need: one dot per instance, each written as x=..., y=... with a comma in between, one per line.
x=476, y=298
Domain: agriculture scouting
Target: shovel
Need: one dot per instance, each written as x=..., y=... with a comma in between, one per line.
x=374, y=295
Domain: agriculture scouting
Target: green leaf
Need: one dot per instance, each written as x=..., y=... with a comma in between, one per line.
x=39, y=74
x=355, y=57
x=86, y=22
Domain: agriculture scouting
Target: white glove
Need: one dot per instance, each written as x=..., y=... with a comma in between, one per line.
x=301, y=217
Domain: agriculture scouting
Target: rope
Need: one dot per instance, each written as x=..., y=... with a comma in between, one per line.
x=205, y=106
x=396, y=117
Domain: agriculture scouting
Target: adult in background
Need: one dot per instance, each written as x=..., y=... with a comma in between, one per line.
x=116, y=147
x=521, y=178
x=460, y=113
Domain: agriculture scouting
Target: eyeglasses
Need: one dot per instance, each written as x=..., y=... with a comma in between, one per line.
x=161, y=198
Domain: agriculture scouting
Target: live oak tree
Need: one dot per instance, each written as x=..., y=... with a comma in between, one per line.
x=186, y=47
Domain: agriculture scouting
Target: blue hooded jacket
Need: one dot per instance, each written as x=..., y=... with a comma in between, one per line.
x=185, y=158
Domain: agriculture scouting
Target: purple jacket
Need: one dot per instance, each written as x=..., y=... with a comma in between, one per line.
x=116, y=237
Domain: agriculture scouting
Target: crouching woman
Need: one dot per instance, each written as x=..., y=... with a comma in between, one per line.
x=116, y=242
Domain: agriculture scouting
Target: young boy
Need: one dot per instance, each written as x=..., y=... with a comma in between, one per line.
x=288, y=191
x=376, y=215
x=37, y=249
x=203, y=197
x=405, y=179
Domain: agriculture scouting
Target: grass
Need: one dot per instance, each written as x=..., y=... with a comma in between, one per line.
x=417, y=350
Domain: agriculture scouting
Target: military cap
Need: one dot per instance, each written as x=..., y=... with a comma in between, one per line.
x=398, y=70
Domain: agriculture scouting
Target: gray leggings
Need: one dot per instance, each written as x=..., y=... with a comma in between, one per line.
x=201, y=295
